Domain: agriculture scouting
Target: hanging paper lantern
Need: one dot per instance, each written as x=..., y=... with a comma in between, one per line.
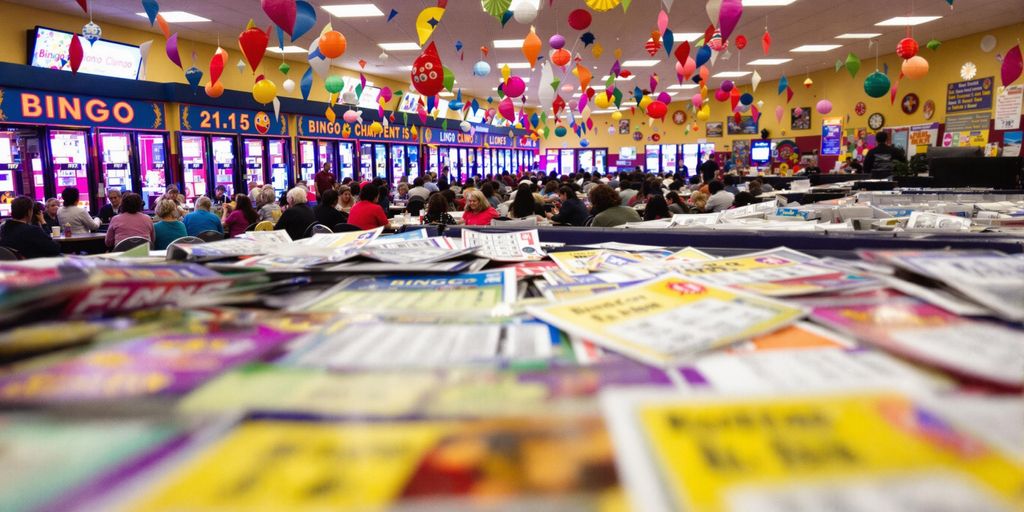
x=657, y=110
x=824, y=107
x=602, y=100
x=906, y=48
x=253, y=43
x=288, y=85
x=1013, y=66
x=915, y=68
x=332, y=44
x=560, y=131
x=427, y=72
x=934, y=44
x=556, y=41
x=531, y=47
x=747, y=99
x=808, y=82
x=481, y=68
x=697, y=100
x=876, y=85
x=514, y=87
x=334, y=84
x=561, y=57
x=264, y=91
x=728, y=85
x=721, y=95
x=852, y=64
x=741, y=42
x=579, y=19
x=617, y=115
x=194, y=76
x=214, y=89
x=526, y=11
x=92, y=32
x=584, y=142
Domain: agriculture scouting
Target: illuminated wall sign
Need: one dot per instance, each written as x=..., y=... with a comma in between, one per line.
x=37, y=107
x=201, y=118
x=104, y=58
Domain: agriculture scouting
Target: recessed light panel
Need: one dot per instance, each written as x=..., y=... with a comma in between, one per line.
x=353, y=10
x=177, y=17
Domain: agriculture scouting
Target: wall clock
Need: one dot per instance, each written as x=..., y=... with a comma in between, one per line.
x=929, y=109
x=876, y=121
x=910, y=103
x=860, y=108
x=679, y=117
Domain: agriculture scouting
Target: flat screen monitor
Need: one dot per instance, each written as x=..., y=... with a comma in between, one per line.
x=409, y=102
x=1002, y=173
x=476, y=116
x=369, y=97
x=49, y=49
x=760, y=152
x=627, y=153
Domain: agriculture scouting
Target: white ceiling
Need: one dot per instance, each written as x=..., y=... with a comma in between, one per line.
x=803, y=22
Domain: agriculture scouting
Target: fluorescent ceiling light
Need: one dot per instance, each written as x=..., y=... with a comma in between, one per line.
x=766, y=3
x=813, y=48
x=618, y=78
x=858, y=35
x=682, y=86
x=177, y=17
x=287, y=49
x=673, y=93
x=508, y=43
x=446, y=94
x=686, y=36
x=731, y=74
x=641, y=63
x=629, y=104
x=406, y=68
x=398, y=47
x=768, y=62
x=577, y=95
x=515, y=65
x=353, y=10
x=906, y=21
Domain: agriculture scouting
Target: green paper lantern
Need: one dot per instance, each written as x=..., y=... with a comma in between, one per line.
x=876, y=85
x=284, y=68
x=852, y=64
x=334, y=84
x=560, y=131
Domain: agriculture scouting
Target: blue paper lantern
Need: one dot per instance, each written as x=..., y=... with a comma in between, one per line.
x=481, y=68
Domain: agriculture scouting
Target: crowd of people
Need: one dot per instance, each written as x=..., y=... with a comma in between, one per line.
x=580, y=199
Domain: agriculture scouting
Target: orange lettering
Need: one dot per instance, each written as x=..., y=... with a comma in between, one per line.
x=69, y=109
x=96, y=111
x=30, y=105
x=123, y=112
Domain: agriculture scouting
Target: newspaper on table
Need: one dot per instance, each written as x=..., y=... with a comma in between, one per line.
x=412, y=234
x=699, y=219
x=937, y=222
x=690, y=254
x=490, y=292
x=512, y=246
x=668, y=320
x=446, y=266
x=860, y=450
x=906, y=326
x=775, y=273
x=345, y=344
x=574, y=263
x=649, y=224
x=989, y=278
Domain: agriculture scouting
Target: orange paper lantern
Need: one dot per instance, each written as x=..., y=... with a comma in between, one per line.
x=915, y=67
x=332, y=44
x=561, y=57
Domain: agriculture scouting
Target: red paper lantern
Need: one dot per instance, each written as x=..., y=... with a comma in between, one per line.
x=907, y=48
x=579, y=19
x=561, y=57
x=657, y=110
x=741, y=42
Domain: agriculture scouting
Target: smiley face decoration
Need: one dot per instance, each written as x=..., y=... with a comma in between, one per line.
x=427, y=72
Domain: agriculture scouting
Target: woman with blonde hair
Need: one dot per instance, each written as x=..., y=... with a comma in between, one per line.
x=270, y=210
x=699, y=200
x=479, y=211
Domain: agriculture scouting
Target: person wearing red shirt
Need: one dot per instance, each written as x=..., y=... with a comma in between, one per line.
x=324, y=180
x=479, y=211
x=367, y=214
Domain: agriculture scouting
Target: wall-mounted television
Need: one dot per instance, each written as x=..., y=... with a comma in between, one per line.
x=476, y=116
x=48, y=48
x=760, y=152
x=369, y=97
x=409, y=103
x=627, y=153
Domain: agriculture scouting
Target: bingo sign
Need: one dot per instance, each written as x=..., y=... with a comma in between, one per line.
x=200, y=118
x=969, y=96
x=38, y=107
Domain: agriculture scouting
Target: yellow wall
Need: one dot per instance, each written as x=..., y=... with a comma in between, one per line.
x=844, y=93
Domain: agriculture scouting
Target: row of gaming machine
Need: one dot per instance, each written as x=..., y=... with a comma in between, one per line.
x=42, y=161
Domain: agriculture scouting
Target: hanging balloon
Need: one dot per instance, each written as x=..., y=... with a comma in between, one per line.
x=824, y=107
x=876, y=85
x=747, y=99
x=721, y=95
x=253, y=43
x=334, y=84
x=579, y=20
x=557, y=41
x=427, y=72
x=332, y=44
x=728, y=85
x=214, y=89
x=264, y=91
x=741, y=42
x=697, y=100
x=481, y=68
x=288, y=85
x=915, y=68
x=906, y=48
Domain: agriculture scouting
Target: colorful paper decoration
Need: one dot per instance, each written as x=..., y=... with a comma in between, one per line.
x=755, y=80
x=92, y=32
x=332, y=44
x=253, y=43
x=852, y=64
x=823, y=107
x=281, y=12
x=1013, y=66
x=305, y=19
x=968, y=70
x=264, y=91
x=427, y=72
x=76, y=53
x=427, y=20
x=495, y=7
x=766, y=41
x=729, y=16
x=876, y=85
x=915, y=68
x=605, y=5
x=531, y=47
x=194, y=76
x=579, y=19
x=906, y=48
x=171, y=49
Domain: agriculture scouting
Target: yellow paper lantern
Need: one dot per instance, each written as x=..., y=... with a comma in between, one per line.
x=704, y=114
x=601, y=100
x=915, y=67
x=264, y=91
x=646, y=100
x=616, y=115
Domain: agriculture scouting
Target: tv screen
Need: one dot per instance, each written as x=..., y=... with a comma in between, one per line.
x=476, y=116
x=49, y=49
x=369, y=97
x=409, y=102
x=627, y=153
x=760, y=152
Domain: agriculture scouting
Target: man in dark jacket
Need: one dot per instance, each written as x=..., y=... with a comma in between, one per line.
x=298, y=217
x=883, y=157
x=572, y=212
x=20, y=234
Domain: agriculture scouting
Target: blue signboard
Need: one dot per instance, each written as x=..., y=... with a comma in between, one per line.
x=526, y=142
x=39, y=107
x=832, y=137
x=201, y=118
x=321, y=127
x=969, y=96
